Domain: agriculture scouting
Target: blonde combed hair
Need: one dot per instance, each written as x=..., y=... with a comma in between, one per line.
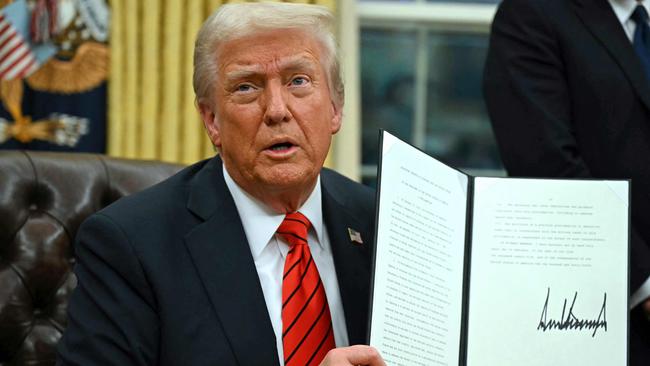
x=234, y=21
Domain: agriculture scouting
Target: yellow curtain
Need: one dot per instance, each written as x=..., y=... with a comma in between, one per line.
x=151, y=110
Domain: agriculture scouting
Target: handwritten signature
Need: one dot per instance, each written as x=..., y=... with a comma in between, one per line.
x=571, y=322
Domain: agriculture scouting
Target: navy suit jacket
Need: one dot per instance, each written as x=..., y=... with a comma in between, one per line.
x=166, y=276
x=568, y=97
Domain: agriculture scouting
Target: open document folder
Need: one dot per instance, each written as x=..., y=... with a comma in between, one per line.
x=497, y=271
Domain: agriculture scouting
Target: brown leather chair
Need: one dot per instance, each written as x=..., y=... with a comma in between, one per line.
x=44, y=197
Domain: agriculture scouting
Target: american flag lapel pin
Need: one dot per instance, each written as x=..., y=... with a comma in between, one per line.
x=355, y=236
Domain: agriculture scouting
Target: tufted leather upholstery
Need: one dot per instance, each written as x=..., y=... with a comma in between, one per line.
x=44, y=197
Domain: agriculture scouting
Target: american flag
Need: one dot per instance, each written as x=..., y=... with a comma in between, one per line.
x=355, y=236
x=16, y=58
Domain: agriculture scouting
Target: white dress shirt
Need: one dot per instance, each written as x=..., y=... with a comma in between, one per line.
x=623, y=10
x=269, y=252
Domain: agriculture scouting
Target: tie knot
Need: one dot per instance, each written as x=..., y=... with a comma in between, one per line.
x=640, y=15
x=294, y=228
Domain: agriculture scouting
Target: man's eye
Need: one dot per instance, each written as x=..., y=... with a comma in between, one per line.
x=299, y=81
x=244, y=88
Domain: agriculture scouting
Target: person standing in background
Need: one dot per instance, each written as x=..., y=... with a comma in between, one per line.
x=567, y=87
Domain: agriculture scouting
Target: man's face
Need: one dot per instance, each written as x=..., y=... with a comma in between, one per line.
x=272, y=116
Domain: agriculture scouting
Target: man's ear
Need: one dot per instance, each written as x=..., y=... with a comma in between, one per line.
x=337, y=118
x=210, y=123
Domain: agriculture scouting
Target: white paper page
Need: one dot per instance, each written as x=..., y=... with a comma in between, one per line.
x=536, y=244
x=417, y=295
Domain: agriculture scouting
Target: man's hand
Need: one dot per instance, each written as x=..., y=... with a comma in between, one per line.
x=353, y=355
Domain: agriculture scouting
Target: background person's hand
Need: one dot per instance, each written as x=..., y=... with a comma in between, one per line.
x=353, y=355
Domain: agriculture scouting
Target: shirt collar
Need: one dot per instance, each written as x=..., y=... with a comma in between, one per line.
x=624, y=8
x=260, y=222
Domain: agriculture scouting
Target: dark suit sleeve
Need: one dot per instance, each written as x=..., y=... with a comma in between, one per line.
x=529, y=103
x=111, y=316
x=527, y=96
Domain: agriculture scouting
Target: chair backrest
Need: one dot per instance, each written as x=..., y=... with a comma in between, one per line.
x=44, y=197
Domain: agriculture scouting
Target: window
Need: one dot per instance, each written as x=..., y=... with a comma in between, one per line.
x=421, y=70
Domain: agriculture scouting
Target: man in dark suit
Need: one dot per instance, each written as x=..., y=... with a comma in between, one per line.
x=255, y=257
x=568, y=97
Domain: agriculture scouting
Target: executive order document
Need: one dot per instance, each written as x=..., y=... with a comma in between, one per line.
x=497, y=271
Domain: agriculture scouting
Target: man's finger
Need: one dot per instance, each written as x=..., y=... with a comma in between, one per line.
x=354, y=355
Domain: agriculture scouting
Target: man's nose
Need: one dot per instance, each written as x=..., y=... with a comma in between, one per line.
x=277, y=109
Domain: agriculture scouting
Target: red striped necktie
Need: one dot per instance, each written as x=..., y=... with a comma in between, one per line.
x=307, y=333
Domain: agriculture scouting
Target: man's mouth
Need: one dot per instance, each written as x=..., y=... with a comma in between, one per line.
x=281, y=149
x=281, y=146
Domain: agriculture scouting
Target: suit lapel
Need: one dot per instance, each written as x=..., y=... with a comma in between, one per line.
x=222, y=257
x=352, y=266
x=601, y=21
